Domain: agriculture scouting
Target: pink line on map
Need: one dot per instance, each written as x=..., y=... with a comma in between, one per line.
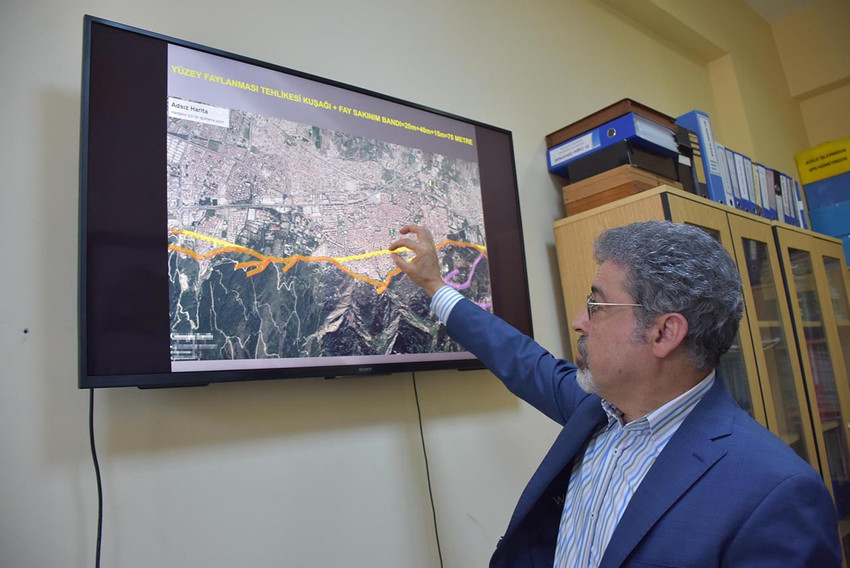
x=465, y=285
x=455, y=272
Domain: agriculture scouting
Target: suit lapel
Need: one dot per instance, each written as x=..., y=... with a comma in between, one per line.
x=687, y=456
x=552, y=475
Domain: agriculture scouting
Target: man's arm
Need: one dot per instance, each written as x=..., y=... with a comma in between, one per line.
x=788, y=529
x=526, y=368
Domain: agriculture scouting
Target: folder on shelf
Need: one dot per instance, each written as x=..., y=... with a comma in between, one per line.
x=744, y=176
x=620, y=154
x=685, y=163
x=637, y=129
x=727, y=173
x=731, y=197
x=779, y=197
x=789, y=201
x=688, y=138
x=607, y=114
x=699, y=122
x=768, y=192
x=794, y=202
x=828, y=191
x=829, y=204
x=739, y=184
x=832, y=220
x=761, y=183
x=755, y=187
x=802, y=207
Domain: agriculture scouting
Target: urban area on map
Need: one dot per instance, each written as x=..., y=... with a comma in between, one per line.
x=278, y=234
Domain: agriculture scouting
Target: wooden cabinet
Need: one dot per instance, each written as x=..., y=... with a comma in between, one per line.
x=818, y=287
x=789, y=364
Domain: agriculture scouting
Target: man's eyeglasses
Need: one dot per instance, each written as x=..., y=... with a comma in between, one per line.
x=593, y=306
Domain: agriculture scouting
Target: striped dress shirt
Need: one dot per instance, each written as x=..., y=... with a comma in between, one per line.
x=443, y=302
x=615, y=461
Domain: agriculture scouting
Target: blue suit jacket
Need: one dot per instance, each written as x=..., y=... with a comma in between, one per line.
x=724, y=492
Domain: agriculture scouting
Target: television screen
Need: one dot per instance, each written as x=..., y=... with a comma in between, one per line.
x=235, y=217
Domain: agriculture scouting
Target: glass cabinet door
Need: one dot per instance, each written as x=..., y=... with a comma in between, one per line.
x=836, y=277
x=817, y=285
x=770, y=325
x=737, y=367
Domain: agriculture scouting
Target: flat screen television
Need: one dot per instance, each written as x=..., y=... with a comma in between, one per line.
x=235, y=217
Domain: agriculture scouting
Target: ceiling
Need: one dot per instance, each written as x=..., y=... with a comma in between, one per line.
x=772, y=10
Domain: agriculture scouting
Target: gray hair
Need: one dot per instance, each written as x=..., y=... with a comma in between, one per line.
x=679, y=268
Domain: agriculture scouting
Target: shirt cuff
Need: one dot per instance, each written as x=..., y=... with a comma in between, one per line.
x=444, y=301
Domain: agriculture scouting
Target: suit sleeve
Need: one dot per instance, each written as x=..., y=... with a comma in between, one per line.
x=526, y=368
x=788, y=529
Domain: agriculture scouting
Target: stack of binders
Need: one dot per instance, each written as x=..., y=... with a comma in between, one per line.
x=627, y=147
x=734, y=179
x=618, y=151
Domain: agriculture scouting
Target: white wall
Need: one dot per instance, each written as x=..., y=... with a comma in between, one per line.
x=815, y=50
x=296, y=473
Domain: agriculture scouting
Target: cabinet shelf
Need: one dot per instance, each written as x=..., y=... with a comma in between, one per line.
x=790, y=438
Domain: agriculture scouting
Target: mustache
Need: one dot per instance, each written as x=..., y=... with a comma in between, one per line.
x=582, y=351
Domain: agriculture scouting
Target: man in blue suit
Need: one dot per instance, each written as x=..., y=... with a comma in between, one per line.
x=655, y=465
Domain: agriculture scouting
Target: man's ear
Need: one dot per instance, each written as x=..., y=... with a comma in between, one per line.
x=669, y=332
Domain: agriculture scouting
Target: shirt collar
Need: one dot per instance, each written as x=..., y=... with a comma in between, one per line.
x=674, y=411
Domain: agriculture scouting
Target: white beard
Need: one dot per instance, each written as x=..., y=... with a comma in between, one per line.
x=584, y=378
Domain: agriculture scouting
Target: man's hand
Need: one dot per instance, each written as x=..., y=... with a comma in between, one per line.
x=423, y=268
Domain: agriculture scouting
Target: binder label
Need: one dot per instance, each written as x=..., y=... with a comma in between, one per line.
x=765, y=199
x=655, y=133
x=823, y=161
x=742, y=174
x=573, y=148
x=698, y=167
x=710, y=148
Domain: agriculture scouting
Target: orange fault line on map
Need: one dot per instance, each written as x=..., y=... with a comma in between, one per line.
x=263, y=261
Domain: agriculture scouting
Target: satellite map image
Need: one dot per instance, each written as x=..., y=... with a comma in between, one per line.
x=278, y=233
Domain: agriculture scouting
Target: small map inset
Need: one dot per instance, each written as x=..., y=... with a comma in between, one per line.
x=278, y=234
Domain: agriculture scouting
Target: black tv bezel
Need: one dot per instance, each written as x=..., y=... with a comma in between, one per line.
x=512, y=276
